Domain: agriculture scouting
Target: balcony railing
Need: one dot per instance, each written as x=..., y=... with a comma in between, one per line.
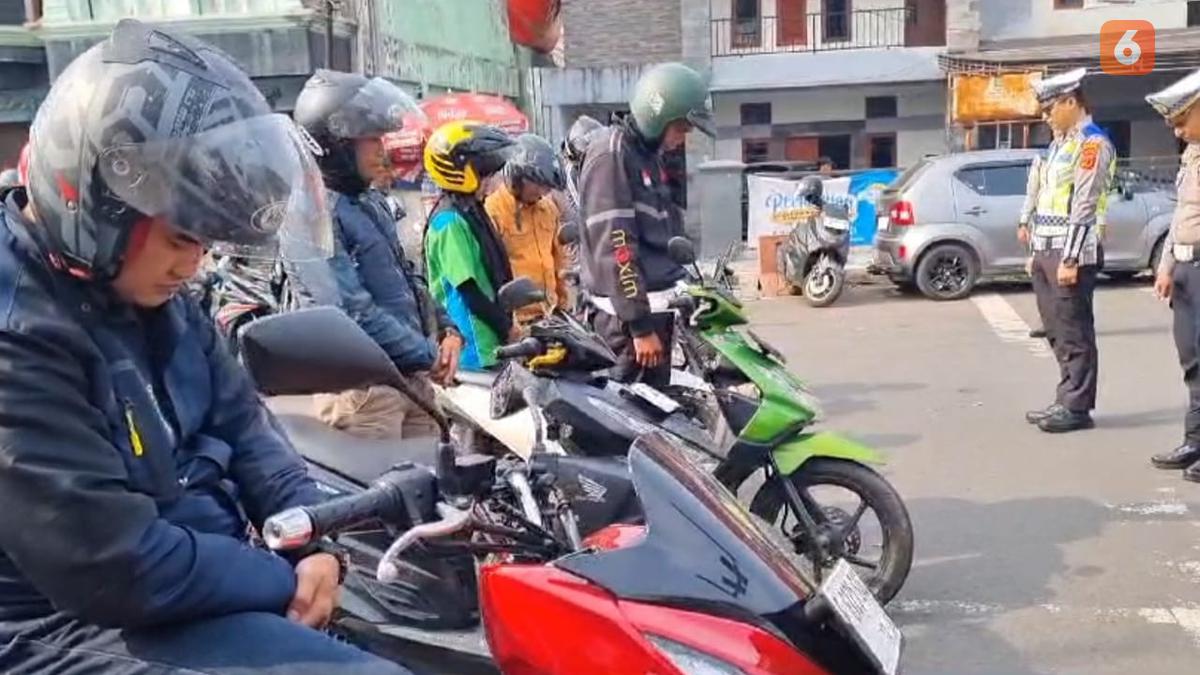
x=817, y=32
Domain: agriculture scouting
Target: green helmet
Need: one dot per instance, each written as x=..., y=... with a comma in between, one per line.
x=669, y=92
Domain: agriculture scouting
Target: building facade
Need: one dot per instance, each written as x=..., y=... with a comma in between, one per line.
x=1043, y=37
x=853, y=80
x=429, y=46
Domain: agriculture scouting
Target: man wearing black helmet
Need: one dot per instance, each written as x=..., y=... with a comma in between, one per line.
x=630, y=212
x=134, y=451
x=528, y=219
x=346, y=115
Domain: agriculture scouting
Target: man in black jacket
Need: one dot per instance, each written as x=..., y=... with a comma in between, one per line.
x=134, y=451
x=630, y=212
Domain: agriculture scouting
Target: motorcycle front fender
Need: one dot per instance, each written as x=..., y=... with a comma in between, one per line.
x=793, y=454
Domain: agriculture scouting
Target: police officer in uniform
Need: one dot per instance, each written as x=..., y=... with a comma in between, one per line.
x=1066, y=242
x=1178, y=275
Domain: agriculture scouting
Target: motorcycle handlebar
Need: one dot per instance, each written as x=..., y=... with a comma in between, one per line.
x=527, y=347
x=297, y=527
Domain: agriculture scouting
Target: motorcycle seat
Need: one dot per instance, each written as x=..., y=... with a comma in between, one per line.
x=360, y=459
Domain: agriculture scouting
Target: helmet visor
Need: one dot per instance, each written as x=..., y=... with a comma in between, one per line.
x=249, y=188
x=702, y=121
x=377, y=108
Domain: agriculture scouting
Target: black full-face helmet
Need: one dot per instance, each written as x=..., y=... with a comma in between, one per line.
x=155, y=124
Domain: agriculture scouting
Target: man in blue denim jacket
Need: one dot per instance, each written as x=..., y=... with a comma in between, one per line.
x=345, y=115
x=134, y=451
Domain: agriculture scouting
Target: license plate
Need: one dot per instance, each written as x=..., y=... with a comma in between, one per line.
x=654, y=397
x=882, y=222
x=863, y=617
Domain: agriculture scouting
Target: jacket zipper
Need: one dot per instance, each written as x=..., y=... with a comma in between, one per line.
x=135, y=437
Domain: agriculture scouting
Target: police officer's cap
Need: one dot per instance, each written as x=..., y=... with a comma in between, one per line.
x=1053, y=88
x=1177, y=98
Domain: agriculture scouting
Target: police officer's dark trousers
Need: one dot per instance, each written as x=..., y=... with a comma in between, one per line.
x=1185, y=302
x=1070, y=325
x=615, y=334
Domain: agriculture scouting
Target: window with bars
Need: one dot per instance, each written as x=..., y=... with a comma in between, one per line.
x=755, y=150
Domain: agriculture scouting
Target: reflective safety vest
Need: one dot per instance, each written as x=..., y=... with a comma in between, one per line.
x=1053, y=214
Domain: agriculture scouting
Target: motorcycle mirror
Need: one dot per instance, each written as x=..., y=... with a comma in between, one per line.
x=568, y=234
x=681, y=250
x=518, y=293
x=322, y=350
x=313, y=351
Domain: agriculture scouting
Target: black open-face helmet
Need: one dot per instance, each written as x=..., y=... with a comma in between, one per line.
x=337, y=108
x=154, y=124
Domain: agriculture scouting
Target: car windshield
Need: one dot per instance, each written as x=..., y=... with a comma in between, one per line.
x=701, y=546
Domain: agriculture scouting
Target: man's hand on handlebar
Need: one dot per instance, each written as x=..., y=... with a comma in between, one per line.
x=649, y=350
x=317, y=590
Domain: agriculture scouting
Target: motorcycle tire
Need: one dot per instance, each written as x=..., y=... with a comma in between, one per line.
x=824, y=296
x=896, y=560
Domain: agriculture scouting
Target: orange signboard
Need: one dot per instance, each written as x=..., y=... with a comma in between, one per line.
x=992, y=98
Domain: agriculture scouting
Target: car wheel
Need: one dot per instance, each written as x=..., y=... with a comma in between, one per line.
x=947, y=272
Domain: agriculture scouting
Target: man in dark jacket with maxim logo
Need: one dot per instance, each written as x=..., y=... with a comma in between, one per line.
x=629, y=215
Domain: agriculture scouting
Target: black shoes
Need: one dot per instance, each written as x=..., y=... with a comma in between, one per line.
x=1061, y=420
x=1183, y=457
x=1192, y=473
x=1037, y=333
x=1036, y=416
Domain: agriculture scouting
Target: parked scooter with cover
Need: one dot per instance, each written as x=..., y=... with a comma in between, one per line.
x=813, y=259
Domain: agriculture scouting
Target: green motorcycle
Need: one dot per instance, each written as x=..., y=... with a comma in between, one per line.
x=769, y=411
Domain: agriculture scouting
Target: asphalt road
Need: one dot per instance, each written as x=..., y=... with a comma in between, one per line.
x=1034, y=553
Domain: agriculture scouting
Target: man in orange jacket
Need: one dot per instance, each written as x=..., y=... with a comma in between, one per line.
x=527, y=219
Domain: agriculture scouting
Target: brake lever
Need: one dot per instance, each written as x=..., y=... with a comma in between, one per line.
x=453, y=521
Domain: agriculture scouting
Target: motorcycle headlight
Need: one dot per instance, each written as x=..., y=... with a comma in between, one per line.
x=692, y=661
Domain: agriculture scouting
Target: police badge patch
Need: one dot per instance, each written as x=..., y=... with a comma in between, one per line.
x=1087, y=159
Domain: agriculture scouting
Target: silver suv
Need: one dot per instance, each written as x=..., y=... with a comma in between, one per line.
x=949, y=221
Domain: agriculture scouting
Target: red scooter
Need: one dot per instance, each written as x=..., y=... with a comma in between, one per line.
x=697, y=588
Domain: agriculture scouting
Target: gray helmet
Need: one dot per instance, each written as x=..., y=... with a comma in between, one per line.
x=532, y=159
x=577, y=138
x=670, y=92
x=151, y=123
x=9, y=178
x=812, y=188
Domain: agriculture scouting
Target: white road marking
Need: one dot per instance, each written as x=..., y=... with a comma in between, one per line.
x=1008, y=325
x=1170, y=507
x=1186, y=618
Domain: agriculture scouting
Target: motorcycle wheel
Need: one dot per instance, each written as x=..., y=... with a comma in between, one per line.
x=874, y=493
x=824, y=283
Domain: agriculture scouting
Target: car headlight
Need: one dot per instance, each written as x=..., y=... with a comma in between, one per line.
x=692, y=661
